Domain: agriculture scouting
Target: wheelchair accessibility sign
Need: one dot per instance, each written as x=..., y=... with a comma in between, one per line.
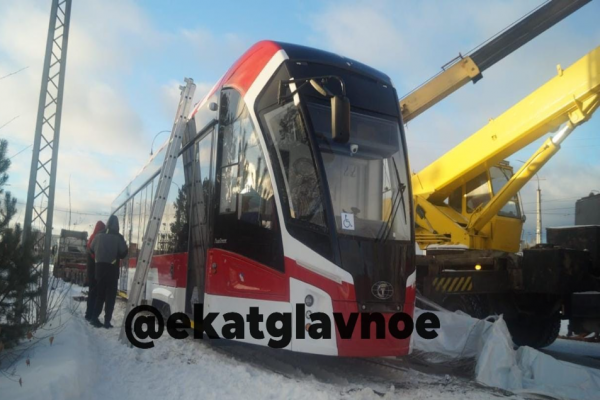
x=348, y=221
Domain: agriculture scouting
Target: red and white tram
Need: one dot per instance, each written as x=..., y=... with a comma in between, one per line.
x=272, y=202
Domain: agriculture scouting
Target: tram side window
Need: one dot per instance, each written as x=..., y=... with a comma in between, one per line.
x=296, y=161
x=129, y=232
x=230, y=118
x=244, y=172
x=135, y=220
x=247, y=216
x=257, y=201
x=205, y=148
x=123, y=215
x=174, y=231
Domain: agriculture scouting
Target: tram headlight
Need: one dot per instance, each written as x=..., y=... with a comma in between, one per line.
x=309, y=300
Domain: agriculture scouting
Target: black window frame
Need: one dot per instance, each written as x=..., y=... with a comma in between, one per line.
x=276, y=260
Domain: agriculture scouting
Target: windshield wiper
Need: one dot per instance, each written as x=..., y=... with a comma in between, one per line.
x=401, y=189
x=396, y=202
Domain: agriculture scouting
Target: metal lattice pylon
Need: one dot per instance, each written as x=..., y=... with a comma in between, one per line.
x=42, y=178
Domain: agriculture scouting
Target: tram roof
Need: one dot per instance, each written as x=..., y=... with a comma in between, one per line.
x=244, y=71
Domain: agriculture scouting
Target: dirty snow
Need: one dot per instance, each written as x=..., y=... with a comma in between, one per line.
x=498, y=364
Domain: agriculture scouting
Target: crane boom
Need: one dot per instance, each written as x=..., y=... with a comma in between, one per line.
x=462, y=70
x=569, y=96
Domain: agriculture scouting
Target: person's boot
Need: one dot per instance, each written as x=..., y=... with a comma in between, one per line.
x=88, y=317
x=95, y=322
x=107, y=324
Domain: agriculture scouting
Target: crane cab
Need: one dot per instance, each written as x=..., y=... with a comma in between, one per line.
x=503, y=231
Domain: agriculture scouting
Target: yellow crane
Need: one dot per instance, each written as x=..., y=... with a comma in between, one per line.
x=456, y=222
x=468, y=197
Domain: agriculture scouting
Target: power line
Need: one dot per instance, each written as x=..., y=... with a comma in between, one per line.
x=73, y=212
x=22, y=150
x=9, y=121
x=555, y=199
x=556, y=208
x=13, y=73
x=558, y=214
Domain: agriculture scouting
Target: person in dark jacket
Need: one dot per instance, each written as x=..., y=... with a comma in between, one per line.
x=108, y=248
x=91, y=274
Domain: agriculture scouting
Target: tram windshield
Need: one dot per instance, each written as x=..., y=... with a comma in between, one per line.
x=366, y=178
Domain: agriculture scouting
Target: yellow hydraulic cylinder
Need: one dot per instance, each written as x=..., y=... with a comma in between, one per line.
x=480, y=218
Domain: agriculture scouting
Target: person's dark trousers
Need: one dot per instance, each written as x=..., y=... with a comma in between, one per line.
x=91, y=299
x=107, y=278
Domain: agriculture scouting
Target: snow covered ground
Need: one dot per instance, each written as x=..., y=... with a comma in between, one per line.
x=85, y=362
x=498, y=364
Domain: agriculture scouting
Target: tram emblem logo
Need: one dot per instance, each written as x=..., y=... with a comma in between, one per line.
x=382, y=290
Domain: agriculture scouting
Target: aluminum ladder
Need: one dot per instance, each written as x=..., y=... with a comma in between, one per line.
x=160, y=200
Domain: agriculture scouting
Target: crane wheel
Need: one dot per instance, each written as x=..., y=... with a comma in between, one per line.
x=470, y=304
x=535, y=333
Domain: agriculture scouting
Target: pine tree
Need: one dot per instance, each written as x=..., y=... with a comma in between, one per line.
x=17, y=277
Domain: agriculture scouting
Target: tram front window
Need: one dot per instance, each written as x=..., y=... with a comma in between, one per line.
x=367, y=177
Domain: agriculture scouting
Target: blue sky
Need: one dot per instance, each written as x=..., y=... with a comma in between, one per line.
x=126, y=59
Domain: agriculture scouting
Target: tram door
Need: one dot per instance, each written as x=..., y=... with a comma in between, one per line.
x=202, y=178
x=246, y=259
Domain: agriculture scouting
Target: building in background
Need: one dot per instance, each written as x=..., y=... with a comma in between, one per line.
x=587, y=210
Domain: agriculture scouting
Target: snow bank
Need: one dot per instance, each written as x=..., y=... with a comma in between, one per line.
x=498, y=364
x=60, y=369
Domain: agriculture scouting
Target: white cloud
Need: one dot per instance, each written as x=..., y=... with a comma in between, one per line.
x=105, y=136
x=364, y=32
x=101, y=130
x=204, y=45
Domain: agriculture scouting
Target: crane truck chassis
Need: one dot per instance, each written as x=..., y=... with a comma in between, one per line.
x=533, y=291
